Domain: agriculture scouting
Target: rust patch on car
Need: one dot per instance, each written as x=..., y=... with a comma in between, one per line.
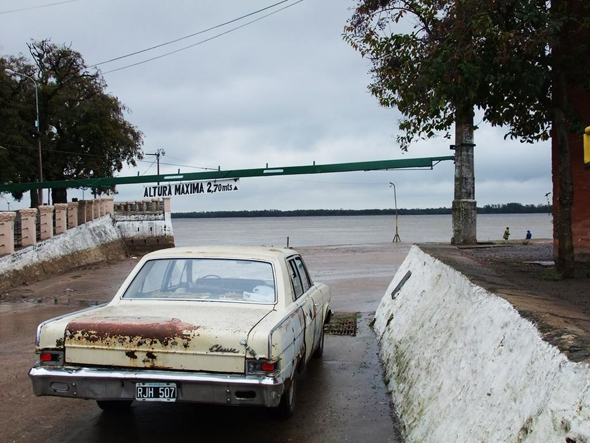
x=131, y=354
x=124, y=331
x=151, y=355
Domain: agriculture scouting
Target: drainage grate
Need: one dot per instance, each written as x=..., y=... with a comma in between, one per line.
x=343, y=323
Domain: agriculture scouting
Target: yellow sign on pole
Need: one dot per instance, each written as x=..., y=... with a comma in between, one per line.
x=587, y=147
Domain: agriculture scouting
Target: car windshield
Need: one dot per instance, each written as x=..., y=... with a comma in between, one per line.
x=244, y=281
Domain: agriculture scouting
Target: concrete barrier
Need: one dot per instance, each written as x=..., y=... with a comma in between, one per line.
x=45, y=222
x=109, y=237
x=72, y=214
x=464, y=366
x=7, y=232
x=92, y=242
x=61, y=218
x=28, y=226
x=144, y=232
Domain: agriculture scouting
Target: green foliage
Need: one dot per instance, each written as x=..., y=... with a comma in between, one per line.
x=520, y=61
x=83, y=130
x=428, y=72
x=497, y=55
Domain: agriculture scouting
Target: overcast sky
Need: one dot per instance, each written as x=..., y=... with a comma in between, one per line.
x=285, y=90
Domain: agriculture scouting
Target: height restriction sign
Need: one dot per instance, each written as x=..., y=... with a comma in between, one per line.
x=203, y=187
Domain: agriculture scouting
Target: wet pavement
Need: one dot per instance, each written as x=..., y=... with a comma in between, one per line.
x=341, y=397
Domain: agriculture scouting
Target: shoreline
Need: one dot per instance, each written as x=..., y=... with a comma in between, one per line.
x=276, y=213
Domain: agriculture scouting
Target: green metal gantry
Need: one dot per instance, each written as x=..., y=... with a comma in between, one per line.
x=426, y=162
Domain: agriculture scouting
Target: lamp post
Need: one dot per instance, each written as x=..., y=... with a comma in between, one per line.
x=396, y=237
x=37, y=125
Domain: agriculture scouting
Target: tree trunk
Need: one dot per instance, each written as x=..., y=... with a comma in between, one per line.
x=34, y=193
x=464, y=204
x=565, y=197
x=563, y=224
x=59, y=195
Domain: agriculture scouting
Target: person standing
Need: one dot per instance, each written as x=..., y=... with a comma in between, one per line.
x=506, y=233
x=529, y=235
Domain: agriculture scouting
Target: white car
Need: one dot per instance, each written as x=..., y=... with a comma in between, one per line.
x=222, y=325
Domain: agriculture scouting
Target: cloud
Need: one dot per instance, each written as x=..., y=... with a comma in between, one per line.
x=286, y=90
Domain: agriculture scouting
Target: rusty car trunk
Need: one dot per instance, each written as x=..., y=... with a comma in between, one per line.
x=201, y=338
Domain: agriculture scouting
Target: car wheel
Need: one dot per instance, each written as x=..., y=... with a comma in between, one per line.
x=286, y=407
x=320, y=350
x=114, y=405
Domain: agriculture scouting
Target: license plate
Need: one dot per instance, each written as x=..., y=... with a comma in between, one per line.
x=155, y=391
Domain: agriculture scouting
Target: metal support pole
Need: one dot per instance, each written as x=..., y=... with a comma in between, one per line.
x=40, y=168
x=38, y=126
x=396, y=237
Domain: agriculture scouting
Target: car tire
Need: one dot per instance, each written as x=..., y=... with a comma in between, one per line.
x=114, y=405
x=286, y=407
x=320, y=349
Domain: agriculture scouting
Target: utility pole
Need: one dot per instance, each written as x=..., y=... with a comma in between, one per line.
x=396, y=237
x=37, y=125
x=158, y=153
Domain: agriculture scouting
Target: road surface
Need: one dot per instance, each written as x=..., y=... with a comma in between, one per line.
x=340, y=398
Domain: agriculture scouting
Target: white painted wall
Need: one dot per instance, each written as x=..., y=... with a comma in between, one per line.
x=85, y=237
x=463, y=365
x=144, y=225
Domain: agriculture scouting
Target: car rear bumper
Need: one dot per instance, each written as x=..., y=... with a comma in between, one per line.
x=119, y=384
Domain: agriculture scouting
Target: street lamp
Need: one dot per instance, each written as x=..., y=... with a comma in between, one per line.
x=396, y=236
x=37, y=125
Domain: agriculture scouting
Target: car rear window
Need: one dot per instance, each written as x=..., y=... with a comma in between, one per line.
x=244, y=281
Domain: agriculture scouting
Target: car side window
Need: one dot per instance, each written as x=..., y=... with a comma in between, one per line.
x=303, y=274
x=297, y=286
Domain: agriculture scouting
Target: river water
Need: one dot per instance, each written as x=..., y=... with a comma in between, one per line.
x=350, y=230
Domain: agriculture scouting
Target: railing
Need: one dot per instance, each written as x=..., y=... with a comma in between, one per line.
x=18, y=232
x=38, y=226
x=151, y=208
x=140, y=207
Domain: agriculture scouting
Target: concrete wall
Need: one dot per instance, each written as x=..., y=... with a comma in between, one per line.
x=464, y=366
x=92, y=242
x=579, y=98
x=99, y=240
x=7, y=232
x=581, y=202
x=144, y=232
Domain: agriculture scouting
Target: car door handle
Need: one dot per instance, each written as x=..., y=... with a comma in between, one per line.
x=316, y=304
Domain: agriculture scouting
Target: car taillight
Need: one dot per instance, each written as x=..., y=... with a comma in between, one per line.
x=51, y=358
x=269, y=366
x=262, y=367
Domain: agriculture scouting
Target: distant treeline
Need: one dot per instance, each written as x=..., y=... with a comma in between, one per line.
x=508, y=208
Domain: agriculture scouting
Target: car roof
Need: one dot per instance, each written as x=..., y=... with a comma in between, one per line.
x=241, y=252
